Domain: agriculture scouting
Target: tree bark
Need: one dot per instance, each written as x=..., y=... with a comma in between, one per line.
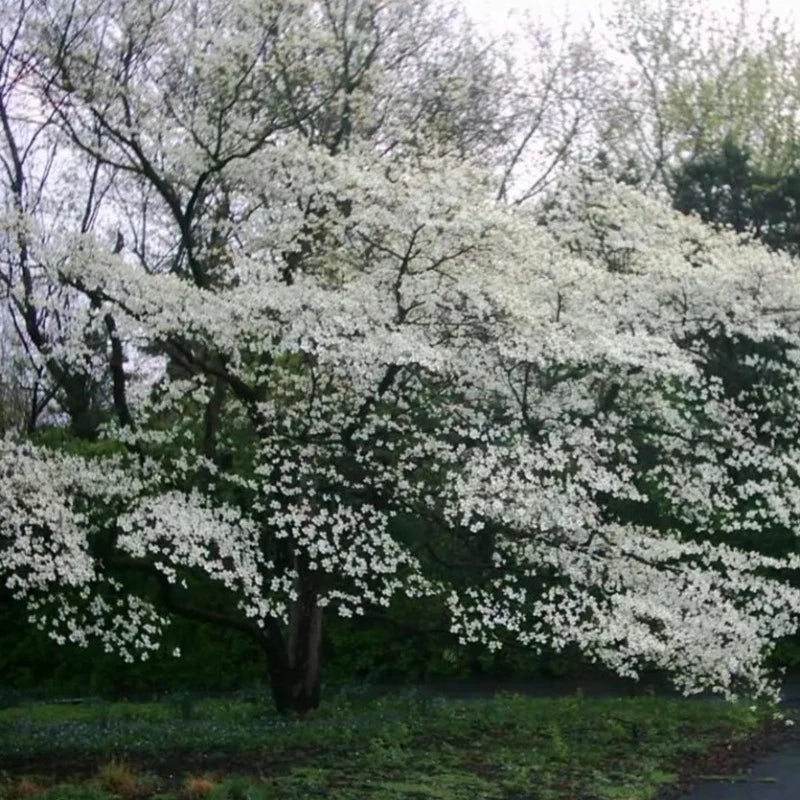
x=293, y=661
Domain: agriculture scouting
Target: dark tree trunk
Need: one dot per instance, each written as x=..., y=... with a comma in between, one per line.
x=78, y=402
x=294, y=660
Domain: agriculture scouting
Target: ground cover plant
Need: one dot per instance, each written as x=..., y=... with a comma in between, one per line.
x=395, y=747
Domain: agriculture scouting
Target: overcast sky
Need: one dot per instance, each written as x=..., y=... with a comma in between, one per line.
x=495, y=13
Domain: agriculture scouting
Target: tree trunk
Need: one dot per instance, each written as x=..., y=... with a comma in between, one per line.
x=294, y=661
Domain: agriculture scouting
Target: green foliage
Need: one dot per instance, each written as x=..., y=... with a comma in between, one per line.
x=726, y=189
x=211, y=660
x=66, y=442
x=82, y=792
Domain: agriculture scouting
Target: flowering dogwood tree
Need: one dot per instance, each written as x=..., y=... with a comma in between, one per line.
x=359, y=364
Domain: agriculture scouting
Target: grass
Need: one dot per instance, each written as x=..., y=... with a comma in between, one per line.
x=402, y=747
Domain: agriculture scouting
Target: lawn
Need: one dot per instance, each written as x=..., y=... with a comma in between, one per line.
x=400, y=747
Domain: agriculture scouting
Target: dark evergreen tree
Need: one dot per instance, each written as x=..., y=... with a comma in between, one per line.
x=726, y=190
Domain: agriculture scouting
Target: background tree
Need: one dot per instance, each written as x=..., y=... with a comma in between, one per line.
x=689, y=78
x=47, y=188
x=727, y=190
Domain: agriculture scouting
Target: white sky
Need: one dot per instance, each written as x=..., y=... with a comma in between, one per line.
x=495, y=13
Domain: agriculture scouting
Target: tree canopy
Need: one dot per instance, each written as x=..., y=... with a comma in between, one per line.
x=263, y=246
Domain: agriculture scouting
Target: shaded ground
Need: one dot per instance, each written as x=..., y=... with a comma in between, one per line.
x=712, y=774
x=401, y=747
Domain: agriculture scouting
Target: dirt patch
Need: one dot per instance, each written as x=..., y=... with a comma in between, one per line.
x=170, y=767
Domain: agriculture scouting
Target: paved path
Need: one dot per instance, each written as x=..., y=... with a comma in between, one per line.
x=774, y=777
x=777, y=777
